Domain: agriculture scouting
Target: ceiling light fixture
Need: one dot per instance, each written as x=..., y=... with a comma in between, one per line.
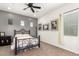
x=23, y=11
x=34, y=15
x=9, y=8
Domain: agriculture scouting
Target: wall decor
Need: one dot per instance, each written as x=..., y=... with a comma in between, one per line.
x=39, y=26
x=31, y=24
x=22, y=23
x=2, y=33
x=46, y=27
x=10, y=22
x=54, y=25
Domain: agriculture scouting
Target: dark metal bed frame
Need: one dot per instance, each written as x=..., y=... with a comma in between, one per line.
x=23, y=31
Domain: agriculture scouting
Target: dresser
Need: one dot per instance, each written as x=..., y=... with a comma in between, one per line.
x=5, y=40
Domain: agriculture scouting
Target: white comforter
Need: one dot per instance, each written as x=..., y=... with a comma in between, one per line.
x=23, y=42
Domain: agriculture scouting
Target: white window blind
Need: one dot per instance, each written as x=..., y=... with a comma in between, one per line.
x=71, y=24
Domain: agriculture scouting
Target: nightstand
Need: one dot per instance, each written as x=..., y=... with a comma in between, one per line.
x=5, y=40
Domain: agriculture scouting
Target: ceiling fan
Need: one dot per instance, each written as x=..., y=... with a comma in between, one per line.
x=31, y=6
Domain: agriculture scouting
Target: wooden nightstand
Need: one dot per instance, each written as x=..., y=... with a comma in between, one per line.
x=5, y=40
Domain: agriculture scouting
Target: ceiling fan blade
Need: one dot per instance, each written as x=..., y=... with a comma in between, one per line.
x=25, y=8
x=32, y=10
x=36, y=7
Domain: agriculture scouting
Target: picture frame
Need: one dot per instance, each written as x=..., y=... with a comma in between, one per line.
x=54, y=25
x=46, y=27
x=2, y=33
x=39, y=26
x=10, y=22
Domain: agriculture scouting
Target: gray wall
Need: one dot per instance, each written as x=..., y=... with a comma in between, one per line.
x=9, y=29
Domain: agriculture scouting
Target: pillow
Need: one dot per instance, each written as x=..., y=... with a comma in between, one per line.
x=21, y=36
x=27, y=35
x=18, y=35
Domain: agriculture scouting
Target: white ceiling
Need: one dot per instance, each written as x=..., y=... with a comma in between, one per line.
x=18, y=8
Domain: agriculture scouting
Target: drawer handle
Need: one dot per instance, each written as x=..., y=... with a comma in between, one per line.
x=7, y=41
x=2, y=41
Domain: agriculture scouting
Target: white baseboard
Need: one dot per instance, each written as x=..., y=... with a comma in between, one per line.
x=62, y=47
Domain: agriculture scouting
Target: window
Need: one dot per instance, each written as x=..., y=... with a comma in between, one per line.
x=71, y=24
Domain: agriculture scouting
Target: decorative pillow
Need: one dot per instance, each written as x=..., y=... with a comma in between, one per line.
x=26, y=35
x=22, y=36
x=18, y=35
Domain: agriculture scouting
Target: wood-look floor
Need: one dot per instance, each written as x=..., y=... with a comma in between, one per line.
x=44, y=50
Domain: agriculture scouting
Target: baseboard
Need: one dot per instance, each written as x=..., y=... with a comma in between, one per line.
x=76, y=52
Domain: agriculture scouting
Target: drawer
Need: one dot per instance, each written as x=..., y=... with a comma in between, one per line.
x=6, y=40
x=2, y=42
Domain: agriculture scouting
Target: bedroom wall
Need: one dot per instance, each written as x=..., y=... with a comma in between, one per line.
x=9, y=29
x=52, y=37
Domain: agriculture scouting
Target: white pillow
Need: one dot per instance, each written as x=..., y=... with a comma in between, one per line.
x=21, y=36
x=18, y=35
x=26, y=35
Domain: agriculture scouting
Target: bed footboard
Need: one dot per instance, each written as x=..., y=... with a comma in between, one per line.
x=16, y=46
x=39, y=41
x=16, y=42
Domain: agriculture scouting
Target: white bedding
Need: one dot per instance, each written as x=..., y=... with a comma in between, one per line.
x=23, y=42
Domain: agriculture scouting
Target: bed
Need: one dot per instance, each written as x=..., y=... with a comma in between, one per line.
x=23, y=40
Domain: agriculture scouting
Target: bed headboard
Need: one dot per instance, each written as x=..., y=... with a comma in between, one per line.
x=22, y=31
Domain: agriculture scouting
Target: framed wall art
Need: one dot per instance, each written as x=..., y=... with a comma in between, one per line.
x=46, y=27
x=53, y=25
x=39, y=26
x=10, y=22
